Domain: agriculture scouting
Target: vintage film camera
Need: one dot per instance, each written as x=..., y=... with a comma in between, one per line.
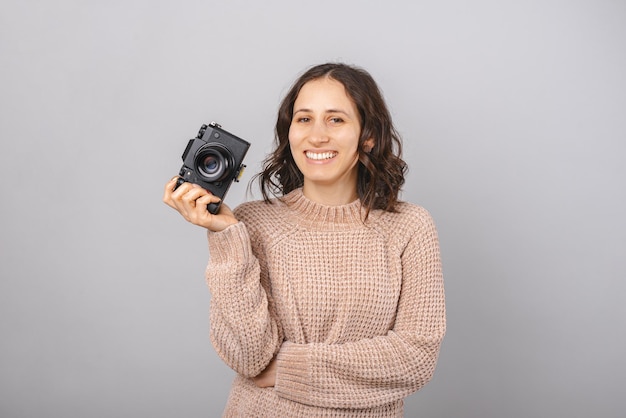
x=213, y=160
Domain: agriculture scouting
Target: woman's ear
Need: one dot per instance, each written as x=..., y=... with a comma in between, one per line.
x=368, y=145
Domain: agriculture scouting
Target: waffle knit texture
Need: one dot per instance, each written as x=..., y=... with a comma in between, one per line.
x=353, y=311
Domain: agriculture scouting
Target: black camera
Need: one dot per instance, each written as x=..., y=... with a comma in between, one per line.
x=213, y=160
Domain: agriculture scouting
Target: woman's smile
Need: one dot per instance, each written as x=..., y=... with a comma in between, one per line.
x=320, y=156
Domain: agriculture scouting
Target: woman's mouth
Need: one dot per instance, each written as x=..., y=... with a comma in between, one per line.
x=318, y=156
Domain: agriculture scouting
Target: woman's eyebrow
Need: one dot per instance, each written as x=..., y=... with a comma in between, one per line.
x=326, y=111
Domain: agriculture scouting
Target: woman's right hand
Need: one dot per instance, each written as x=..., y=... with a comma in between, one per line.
x=191, y=201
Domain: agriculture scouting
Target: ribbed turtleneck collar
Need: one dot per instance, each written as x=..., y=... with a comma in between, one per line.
x=315, y=215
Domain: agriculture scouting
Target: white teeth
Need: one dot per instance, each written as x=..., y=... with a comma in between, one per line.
x=320, y=155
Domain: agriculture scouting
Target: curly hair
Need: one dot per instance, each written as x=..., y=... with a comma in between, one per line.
x=381, y=170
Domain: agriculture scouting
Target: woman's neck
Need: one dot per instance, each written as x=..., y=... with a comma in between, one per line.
x=330, y=195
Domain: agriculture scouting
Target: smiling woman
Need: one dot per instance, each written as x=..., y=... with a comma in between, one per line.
x=327, y=297
x=380, y=171
x=324, y=141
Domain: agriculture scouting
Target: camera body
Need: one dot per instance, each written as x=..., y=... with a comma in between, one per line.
x=213, y=160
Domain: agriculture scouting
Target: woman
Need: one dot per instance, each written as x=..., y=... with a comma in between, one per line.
x=327, y=295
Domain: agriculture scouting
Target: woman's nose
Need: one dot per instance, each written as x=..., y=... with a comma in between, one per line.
x=318, y=133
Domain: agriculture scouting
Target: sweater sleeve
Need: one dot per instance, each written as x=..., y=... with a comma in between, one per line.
x=383, y=369
x=243, y=330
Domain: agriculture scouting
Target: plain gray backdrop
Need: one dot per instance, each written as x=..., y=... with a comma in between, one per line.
x=514, y=121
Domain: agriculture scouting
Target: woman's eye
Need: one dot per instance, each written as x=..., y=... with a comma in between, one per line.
x=303, y=119
x=336, y=120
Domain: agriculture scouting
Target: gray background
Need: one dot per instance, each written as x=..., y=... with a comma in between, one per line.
x=513, y=115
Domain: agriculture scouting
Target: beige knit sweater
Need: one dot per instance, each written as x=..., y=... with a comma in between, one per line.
x=354, y=312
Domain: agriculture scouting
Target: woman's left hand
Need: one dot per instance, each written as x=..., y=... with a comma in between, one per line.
x=267, y=378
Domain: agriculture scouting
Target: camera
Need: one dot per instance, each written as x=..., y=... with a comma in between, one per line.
x=213, y=160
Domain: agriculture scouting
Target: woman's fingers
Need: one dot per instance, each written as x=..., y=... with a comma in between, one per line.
x=203, y=201
x=168, y=190
x=191, y=201
x=198, y=199
x=184, y=199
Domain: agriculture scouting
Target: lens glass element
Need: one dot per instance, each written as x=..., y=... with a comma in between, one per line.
x=211, y=164
x=214, y=162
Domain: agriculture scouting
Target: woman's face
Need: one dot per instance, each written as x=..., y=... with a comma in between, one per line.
x=324, y=137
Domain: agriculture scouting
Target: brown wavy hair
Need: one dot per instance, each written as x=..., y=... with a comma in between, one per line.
x=380, y=171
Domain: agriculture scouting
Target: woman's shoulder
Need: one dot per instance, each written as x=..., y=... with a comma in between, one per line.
x=407, y=219
x=407, y=212
x=263, y=218
x=258, y=209
x=408, y=222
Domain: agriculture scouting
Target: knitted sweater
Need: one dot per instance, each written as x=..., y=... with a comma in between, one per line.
x=353, y=311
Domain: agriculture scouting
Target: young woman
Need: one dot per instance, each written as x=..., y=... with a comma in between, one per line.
x=327, y=295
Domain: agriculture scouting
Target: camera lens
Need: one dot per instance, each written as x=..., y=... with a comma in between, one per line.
x=211, y=165
x=214, y=162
